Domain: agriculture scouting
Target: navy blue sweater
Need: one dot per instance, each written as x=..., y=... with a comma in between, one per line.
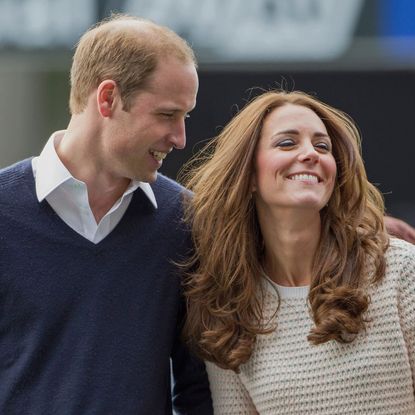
x=90, y=328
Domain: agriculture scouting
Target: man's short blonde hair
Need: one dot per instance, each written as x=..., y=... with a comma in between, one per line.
x=125, y=49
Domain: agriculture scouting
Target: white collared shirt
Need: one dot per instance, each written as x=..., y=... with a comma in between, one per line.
x=68, y=196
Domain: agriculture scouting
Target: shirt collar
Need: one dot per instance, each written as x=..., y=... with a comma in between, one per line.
x=50, y=173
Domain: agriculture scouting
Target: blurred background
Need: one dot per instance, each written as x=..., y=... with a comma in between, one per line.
x=357, y=55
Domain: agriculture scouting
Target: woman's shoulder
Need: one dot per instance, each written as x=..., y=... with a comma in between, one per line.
x=400, y=263
x=400, y=250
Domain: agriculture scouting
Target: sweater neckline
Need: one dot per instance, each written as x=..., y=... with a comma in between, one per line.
x=64, y=228
x=287, y=292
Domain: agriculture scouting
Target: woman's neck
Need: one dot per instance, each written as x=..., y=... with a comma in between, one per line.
x=291, y=239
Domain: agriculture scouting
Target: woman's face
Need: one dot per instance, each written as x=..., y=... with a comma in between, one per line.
x=294, y=164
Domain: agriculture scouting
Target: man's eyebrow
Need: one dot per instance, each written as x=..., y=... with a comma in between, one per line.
x=173, y=109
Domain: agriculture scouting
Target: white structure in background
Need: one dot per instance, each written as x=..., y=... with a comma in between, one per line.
x=246, y=30
x=44, y=23
x=220, y=30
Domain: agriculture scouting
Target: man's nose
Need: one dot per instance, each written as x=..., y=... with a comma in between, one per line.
x=178, y=136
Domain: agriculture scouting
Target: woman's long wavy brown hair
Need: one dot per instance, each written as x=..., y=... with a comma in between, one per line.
x=223, y=288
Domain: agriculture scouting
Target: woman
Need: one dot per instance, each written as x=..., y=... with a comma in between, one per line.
x=298, y=300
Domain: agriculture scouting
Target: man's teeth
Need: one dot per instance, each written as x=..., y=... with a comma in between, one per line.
x=158, y=155
x=304, y=177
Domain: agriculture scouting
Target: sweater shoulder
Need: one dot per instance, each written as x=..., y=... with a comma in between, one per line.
x=400, y=270
x=168, y=190
x=168, y=184
x=399, y=253
x=12, y=176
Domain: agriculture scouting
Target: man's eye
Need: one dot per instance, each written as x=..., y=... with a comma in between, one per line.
x=167, y=114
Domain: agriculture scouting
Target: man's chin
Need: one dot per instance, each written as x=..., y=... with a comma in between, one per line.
x=148, y=178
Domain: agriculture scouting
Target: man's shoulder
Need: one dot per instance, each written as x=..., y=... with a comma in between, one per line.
x=167, y=183
x=12, y=176
x=15, y=184
x=166, y=187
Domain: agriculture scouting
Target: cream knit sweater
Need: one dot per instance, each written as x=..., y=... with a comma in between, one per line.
x=372, y=375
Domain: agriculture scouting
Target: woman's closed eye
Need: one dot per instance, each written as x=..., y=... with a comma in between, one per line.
x=285, y=143
x=323, y=146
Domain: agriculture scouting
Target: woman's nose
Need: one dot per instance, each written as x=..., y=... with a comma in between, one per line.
x=308, y=154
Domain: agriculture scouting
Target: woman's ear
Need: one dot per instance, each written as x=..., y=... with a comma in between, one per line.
x=253, y=183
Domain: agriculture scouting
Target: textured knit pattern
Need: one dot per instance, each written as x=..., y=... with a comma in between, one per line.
x=89, y=329
x=373, y=375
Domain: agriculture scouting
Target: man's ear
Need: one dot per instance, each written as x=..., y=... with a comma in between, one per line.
x=105, y=97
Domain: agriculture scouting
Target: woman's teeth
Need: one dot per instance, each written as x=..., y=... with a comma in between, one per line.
x=304, y=177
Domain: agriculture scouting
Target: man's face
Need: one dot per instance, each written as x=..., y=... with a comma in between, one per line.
x=136, y=141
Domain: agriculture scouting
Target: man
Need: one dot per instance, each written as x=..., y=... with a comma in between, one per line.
x=91, y=310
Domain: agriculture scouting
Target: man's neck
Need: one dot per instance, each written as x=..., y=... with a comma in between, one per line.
x=79, y=151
